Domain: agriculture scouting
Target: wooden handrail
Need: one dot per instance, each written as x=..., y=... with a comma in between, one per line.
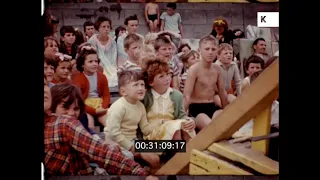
x=252, y=101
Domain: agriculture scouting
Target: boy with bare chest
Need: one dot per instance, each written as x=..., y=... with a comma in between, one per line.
x=201, y=81
x=152, y=15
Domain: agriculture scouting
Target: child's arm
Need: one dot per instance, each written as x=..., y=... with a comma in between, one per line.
x=113, y=122
x=237, y=80
x=145, y=126
x=188, y=87
x=162, y=22
x=146, y=13
x=220, y=84
x=244, y=85
x=105, y=93
x=180, y=26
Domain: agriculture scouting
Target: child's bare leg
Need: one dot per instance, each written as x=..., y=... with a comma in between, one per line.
x=177, y=135
x=102, y=119
x=90, y=121
x=152, y=158
x=185, y=136
x=151, y=26
x=155, y=25
x=215, y=114
x=231, y=98
x=202, y=120
x=216, y=100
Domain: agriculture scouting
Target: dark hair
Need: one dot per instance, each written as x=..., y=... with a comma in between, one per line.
x=131, y=18
x=79, y=37
x=160, y=41
x=254, y=59
x=164, y=34
x=101, y=20
x=255, y=42
x=83, y=54
x=67, y=29
x=51, y=62
x=271, y=60
x=128, y=76
x=182, y=46
x=66, y=90
x=172, y=5
x=87, y=23
x=117, y=31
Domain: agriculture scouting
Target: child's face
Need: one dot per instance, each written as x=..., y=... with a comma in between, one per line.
x=260, y=47
x=91, y=64
x=208, y=51
x=63, y=70
x=89, y=31
x=170, y=11
x=165, y=51
x=73, y=110
x=134, y=50
x=47, y=96
x=51, y=49
x=185, y=50
x=219, y=29
x=104, y=28
x=253, y=67
x=132, y=26
x=69, y=38
x=226, y=56
x=121, y=32
x=48, y=71
x=135, y=90
x=161, y=82
x=192, y=60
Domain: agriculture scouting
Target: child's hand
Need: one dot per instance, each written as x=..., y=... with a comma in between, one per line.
x=188, y=125
x=101, y=111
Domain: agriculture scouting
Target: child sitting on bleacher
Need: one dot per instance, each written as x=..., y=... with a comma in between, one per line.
x=63, y=69
x=126, y=113
x=49, y=67
x=93, y=85
x=188, y=60
x=252, y=65
x=230, y=72
x=164, y=105
x=132, y=46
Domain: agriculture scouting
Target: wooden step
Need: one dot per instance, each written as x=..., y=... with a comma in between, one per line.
x=202, y=163
x=249, y=157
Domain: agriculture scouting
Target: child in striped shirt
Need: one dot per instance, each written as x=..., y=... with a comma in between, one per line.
x=188, y=60
x=132, y=45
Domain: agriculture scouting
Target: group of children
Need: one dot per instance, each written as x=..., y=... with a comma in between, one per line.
x=167, y=92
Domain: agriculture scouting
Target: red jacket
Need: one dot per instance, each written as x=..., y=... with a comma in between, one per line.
x=81, y=81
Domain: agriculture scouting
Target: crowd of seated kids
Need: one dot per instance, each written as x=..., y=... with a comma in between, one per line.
x=165, y=92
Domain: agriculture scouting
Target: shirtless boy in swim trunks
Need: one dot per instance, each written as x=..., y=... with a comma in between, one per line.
x=200, y=85
x=152, y=15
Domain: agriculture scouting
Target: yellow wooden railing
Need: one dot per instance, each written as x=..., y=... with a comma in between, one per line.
x=254, y=102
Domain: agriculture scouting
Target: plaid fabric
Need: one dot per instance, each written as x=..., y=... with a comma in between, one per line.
x=69, y=148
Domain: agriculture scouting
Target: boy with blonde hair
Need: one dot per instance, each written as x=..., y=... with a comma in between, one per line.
x=132, y=45
x=127, y=113
x=230, y=72
x=201, y=81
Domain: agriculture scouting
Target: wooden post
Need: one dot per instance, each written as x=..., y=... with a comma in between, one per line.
x=261, y=127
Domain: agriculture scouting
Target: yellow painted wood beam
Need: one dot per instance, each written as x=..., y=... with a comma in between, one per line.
x=205, y=164
x=249, y=157
x=234, y=116
x=261, y=127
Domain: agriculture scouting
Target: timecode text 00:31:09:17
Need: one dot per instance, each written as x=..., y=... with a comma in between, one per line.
x=160, y=145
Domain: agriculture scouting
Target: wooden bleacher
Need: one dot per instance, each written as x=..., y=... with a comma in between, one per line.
x=209, y=153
